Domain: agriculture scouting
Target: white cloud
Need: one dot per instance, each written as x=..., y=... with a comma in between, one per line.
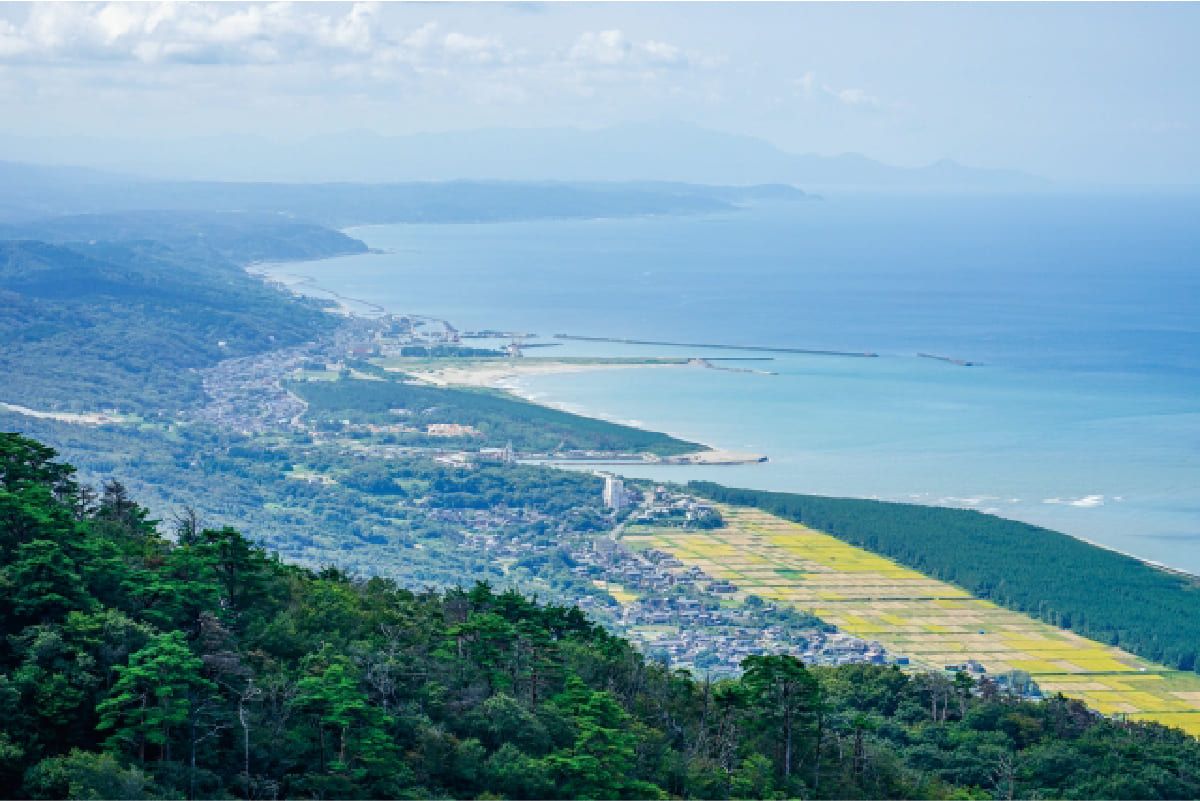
x=611, y=48
x=807, y=82
x=354, y=31
x=806, y=85
x=605, y=48
x=116, y=21
x=663, y=53
x=11, y=41
x=223, y=53
x=476, y=49
x=852, y=97
x=811, y=89
x=421, y=37
x=214, y=32
x=86, y=34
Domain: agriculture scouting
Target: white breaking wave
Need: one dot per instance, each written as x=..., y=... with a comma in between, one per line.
x=1086, y=502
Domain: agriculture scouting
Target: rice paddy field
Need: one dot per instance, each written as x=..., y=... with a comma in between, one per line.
x=933, y=623
x=614, y=589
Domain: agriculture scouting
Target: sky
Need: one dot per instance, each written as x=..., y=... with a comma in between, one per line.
x=1088, y=92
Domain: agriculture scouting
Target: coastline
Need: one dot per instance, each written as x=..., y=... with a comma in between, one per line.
x=505, y=376
x=498, y=378
x=502, y=376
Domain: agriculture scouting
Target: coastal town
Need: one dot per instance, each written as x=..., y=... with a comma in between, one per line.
x=676, y=614
x=247, y=394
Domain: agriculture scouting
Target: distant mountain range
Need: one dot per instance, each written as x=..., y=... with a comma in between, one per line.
x=31, y=193
x=672, y=152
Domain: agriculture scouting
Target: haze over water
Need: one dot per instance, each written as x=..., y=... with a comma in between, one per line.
x=1083, y=416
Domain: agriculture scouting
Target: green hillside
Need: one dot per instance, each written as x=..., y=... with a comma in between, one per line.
x=499, y=417
x=121, y=324
x=137, y=667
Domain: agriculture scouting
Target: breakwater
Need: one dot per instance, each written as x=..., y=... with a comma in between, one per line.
x=770, y=349
x=948, y=360
x=709, y=364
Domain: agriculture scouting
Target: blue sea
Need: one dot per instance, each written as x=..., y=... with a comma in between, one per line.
x=1080, y=313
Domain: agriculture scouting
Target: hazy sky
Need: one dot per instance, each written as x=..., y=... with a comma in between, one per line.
x=1077, y=91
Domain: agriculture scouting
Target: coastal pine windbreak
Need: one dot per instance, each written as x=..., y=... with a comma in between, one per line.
x=1100, y=594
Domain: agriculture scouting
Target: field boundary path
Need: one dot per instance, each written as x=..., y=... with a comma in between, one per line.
x=933, y=623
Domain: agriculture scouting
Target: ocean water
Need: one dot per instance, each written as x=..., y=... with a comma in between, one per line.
x=1081, y=314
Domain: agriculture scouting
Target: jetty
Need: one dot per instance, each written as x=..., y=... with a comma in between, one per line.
x=948, y=360
x=713, y=457
x=708, y=363
x=772, y=349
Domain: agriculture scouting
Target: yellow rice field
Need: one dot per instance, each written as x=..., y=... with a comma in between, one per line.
x=933, y=623
x=614, y=589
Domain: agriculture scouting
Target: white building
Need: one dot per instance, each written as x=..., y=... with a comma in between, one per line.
x=614, y=492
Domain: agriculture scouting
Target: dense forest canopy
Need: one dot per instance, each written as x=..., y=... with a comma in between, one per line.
x=133, y=666
x=209, y=237
x=1101, y=594
x=498, y=417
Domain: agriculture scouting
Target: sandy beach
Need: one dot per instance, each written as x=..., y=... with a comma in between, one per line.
x=503, y=376
x=499, y=375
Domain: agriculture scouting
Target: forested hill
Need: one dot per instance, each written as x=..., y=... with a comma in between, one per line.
x=1098, y=593
x=212, y=238
x=342, y=204
x=31, y=192
x=498, y=417
x=115, y=311
x=135, y=667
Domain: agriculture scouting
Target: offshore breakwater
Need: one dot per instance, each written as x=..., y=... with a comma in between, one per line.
x=767, y=349
x=1081, y=420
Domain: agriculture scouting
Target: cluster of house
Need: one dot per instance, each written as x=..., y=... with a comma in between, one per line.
x=689, y=627
x=451, y=430
x=1015, y=682
x=679, y=614
x=246, y=395
x=609, y=560
x=666, y=507
x=501, y=546
x=378, y=429
x=393, y=335
x=719, y=649
x=396, y=332
x=480, y=521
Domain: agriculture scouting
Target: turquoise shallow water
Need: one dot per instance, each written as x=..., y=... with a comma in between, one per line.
x=1084, y=417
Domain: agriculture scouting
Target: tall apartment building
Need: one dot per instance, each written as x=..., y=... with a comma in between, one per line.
x=614, y=492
